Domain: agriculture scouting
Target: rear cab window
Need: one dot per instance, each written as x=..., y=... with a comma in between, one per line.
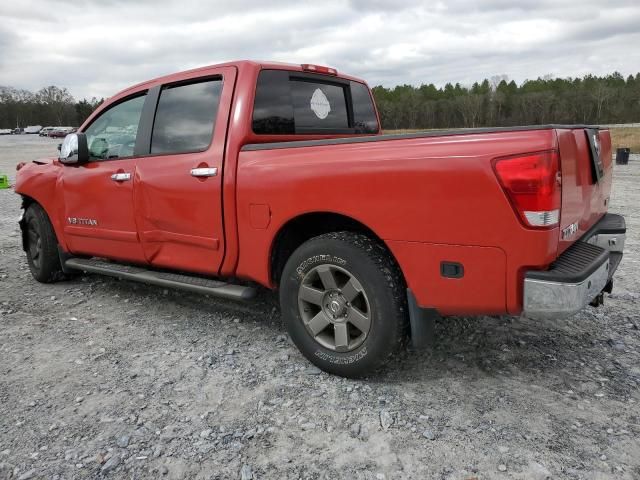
x=290, y=103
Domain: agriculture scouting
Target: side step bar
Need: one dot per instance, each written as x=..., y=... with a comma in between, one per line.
x=162, y=279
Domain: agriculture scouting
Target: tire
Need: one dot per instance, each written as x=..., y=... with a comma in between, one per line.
x=41, y=246
x=343, y=301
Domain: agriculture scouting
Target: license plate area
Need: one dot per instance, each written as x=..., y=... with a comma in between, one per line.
x=597, y=167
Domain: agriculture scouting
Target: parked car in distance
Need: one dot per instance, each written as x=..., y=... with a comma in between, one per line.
x=61, y=132
x=17, y=131
x=221, y=178
x=5, y=131
x=58, y=133
x=45, y=131
x=33, y=129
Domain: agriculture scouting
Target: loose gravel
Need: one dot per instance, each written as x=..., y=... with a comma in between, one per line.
x=101, y=378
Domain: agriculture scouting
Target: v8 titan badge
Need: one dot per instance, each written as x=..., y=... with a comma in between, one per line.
x=82, y=221
x=569, y=231
x=320, y=104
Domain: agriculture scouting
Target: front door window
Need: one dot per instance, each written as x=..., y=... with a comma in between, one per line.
x=113, y=134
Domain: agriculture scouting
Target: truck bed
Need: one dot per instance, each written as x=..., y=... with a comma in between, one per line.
x=431, y=197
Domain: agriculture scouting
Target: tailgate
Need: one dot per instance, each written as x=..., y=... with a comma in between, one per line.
x=586, y=164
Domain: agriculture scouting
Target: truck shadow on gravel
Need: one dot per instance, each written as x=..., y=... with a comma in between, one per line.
x=564, y=352
x=565, y=355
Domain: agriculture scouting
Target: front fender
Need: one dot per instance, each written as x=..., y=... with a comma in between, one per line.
x=41, y=183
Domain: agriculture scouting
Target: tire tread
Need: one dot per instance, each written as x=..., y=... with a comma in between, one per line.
x=51, y=269
x=379, y=254
x=395, y=311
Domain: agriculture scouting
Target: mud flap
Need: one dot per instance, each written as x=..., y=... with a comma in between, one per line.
x=423, y=323
x=64, y=256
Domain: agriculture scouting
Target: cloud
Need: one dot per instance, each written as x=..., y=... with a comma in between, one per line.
x=8, y=40
x=95, y=48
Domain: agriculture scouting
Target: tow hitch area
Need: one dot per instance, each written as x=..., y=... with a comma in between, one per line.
x=598, y=300
x=580, y=276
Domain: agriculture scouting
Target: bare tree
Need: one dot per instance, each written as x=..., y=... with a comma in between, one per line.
x=495, y=80
x=470, y=107
x=601, y=94
x=59, y=100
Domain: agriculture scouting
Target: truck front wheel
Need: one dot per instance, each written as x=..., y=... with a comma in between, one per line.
x=343, y=301
x=41, y=245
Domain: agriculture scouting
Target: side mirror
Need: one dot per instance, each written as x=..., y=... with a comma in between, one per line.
x=74, y=149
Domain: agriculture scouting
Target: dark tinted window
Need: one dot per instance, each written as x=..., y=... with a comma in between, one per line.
x=290, y=103
x=318, y=106
x=272, y=109
x=185, y=117
x=364, y=115
x=113, y=133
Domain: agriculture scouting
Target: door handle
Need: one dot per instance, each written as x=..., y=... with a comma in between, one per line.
x=204, y=172
x=121, y=177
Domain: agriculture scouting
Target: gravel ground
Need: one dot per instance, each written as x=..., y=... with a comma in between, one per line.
x=106, y=378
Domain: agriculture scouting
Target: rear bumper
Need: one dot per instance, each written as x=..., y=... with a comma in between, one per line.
x=579, y=275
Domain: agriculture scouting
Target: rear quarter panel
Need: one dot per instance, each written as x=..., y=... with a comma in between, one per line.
x=429, y=199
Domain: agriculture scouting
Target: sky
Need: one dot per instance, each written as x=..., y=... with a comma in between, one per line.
x=96, y=48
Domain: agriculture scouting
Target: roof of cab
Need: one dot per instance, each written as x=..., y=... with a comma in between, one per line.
x=260, y=65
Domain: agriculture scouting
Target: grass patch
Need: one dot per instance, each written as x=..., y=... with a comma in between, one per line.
x=626, y=137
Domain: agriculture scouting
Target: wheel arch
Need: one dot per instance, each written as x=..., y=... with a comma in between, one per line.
x=26, y=202
x=301, y=228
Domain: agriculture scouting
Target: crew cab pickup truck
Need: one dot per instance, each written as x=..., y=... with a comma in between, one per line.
x=226, y=178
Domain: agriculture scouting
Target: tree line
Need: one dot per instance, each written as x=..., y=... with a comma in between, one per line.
x=501, y=102
x=493, y=102
x=50, y=106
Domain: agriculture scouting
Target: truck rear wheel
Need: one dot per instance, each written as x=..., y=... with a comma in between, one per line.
x=41, y=246
x=344, y=303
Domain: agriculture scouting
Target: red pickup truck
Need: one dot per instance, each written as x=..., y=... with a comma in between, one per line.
x=221, y=179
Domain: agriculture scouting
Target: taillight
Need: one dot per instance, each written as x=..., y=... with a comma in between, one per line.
x=319, y=69
x=533, y=183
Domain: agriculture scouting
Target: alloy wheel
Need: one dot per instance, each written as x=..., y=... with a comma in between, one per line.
x=334, y=308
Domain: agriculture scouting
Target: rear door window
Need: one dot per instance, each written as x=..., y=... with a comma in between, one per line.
x=185, y=117
x=289, y=103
